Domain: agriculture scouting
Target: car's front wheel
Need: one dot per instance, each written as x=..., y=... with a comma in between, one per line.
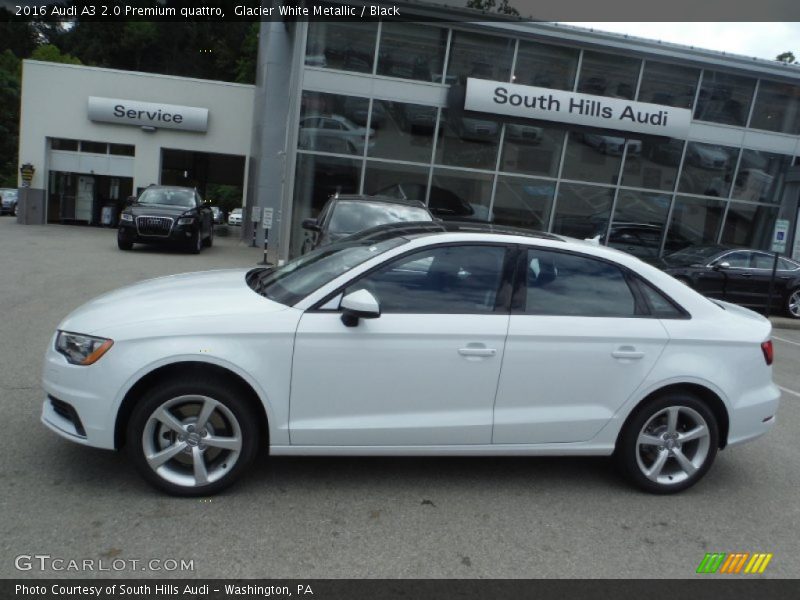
x=124, y=244
x=669, y=444
x=793, y=303
x=209, y=241
x=196, y=243
x=192, y=438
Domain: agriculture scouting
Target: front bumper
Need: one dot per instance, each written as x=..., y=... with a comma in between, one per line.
x=179, y=234
x=86, y=390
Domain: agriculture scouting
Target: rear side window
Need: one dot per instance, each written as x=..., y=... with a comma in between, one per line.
x=569, y=285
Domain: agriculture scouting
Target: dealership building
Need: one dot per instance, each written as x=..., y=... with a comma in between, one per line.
x=652, y=146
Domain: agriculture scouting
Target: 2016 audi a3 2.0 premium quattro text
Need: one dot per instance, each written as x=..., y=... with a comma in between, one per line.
x=414, y=339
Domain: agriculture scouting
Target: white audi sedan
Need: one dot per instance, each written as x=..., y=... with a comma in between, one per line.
x=414, y=339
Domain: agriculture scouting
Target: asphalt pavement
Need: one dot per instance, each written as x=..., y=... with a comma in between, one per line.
x=350, y=517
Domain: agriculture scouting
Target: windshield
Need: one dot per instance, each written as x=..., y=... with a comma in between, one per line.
x=349, y=217
x=692, y=255
x=8, y=194
x=299, y=277
x=167, y=197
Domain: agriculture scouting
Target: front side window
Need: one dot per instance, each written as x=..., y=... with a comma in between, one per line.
x=561, y=284
x=737, y=260
x=441, y=280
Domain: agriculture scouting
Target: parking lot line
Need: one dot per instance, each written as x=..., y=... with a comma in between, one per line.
x=775, y=337
x=788, y=391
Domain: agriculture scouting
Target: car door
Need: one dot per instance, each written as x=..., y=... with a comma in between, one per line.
x=739, y=285
x=578, y=346
x=423, y=373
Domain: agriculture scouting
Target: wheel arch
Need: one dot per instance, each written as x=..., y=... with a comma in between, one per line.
x=702, y=393
x=187, y=369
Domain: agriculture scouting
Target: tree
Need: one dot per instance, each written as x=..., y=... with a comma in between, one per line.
x=504, y=7
x=786, y=57
x=10, y=77
x=50, y=53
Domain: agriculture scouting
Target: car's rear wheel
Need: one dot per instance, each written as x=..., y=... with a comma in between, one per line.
x=668, y=444
x=123, y=244
x=793, y=303
x=192, y=438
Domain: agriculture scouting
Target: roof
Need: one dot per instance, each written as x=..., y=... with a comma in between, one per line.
x=382, y=199
x=407, y=229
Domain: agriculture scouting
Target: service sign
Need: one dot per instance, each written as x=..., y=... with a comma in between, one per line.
x=148, y=114
x=530, y=102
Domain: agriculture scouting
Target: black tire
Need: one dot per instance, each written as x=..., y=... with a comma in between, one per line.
x=793, y=303
x=124, y=245
x=209, y=241
x=196, y=243
x=177, y=476
x=634, y=458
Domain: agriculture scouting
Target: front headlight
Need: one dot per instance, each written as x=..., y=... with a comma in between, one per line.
x=185, y=220
x=126, y=217
x=82, y=349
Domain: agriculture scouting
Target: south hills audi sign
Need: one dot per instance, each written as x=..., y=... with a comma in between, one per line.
x=531, y=102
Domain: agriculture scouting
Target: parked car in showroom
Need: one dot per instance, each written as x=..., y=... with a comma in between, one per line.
x=166, y=215
x=344, y=215
x=235, y=218
x=738, y=275
x=8, y=201
x=414, y=339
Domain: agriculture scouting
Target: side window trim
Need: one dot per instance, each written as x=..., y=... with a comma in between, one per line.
x=502, y=299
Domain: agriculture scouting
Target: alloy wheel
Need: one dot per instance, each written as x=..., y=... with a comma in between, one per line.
x=673, y=445
x=192, y=440
x=793, y=304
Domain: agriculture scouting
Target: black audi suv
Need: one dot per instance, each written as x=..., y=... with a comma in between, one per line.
x=167, y=215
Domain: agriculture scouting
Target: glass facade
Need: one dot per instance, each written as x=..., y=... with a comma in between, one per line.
x=643, y=194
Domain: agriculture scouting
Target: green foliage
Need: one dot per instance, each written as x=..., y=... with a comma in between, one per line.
x=786, y=57
x=227, y=197
x=50, y=53
x=10, y=77
x=504, y=7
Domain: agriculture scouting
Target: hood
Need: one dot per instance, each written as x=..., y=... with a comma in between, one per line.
x=189, y=295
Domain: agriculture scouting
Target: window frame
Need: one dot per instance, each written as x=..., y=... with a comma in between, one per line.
x=502, y=303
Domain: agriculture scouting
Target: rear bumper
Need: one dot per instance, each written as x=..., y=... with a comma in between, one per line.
x=754, y=415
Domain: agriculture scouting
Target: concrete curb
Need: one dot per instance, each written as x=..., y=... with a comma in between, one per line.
x=785, y=323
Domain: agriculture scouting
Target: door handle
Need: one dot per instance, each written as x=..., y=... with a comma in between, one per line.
x=477, y=351
x=746, y=274
x=627, y=352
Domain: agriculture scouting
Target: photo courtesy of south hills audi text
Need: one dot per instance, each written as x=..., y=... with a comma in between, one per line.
x=122, y=590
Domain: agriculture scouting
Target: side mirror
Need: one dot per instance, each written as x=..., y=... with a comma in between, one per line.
x=130, y=200
x=311, y=224
x=722, y=266
x=359, y=305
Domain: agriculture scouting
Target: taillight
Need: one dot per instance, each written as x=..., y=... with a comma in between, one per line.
x=766, y=348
